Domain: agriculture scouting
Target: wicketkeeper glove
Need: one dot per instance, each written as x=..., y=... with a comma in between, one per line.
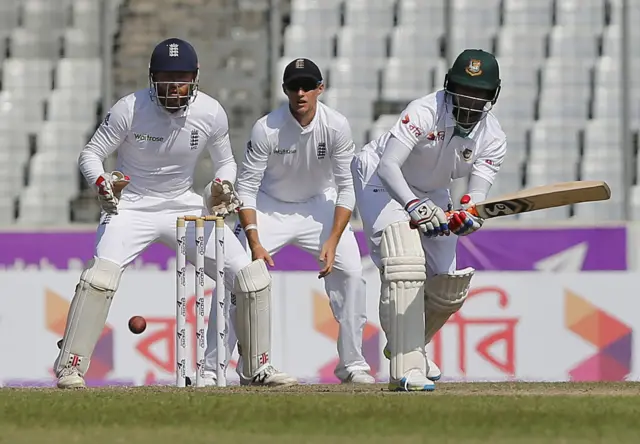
x=109, y=187
x=221, y=199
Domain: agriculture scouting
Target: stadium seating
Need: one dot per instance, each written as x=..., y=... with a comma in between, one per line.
x=560, y=63
x=51, y=84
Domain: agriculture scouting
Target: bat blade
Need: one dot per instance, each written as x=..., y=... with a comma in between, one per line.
x=543, y=197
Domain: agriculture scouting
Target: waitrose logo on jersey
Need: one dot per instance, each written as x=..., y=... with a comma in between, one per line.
x=147, y=138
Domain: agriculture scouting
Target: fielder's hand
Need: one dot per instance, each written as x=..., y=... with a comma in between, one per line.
x=221, y=198
x=462, y=222
x=259, y=252
x=428, y=217
x=327, y=258
x=109, y=187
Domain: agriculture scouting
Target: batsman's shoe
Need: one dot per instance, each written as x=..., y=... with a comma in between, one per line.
x=358, y=377
x=70, y=378
x=433, y=371
x=269, y=377
x=412, y=381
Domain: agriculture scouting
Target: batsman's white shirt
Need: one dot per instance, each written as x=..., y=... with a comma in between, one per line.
x=437, y=156
x=294, y=177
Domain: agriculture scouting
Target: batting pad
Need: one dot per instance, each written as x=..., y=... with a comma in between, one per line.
x=444, y=295
x=88, y=314
x=403, y=277
x=253, y=316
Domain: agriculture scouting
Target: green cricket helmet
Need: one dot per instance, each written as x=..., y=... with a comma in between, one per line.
x=473, y=85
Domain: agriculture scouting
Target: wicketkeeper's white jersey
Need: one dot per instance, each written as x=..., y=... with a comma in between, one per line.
x=426, y=127
x=293, y=164
x=159, y=150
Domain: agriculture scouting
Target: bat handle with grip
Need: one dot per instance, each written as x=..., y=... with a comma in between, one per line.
x=471, y=210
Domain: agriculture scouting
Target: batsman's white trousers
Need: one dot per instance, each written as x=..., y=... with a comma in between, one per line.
x=378, y=210
x=308, y=226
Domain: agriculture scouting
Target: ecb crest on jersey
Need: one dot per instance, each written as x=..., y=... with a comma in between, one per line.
x=322, y=150
x=195, y=139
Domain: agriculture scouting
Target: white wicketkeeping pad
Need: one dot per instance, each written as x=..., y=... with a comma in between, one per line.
x=88, y=313
x=253, y=316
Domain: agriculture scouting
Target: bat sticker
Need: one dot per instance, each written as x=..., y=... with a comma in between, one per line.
x=508, y=207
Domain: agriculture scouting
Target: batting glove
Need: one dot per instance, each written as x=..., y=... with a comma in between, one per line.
x=462, y=222
x=427, y=217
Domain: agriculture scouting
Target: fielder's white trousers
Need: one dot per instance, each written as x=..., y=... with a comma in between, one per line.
x=308, y=226
x=378, y=210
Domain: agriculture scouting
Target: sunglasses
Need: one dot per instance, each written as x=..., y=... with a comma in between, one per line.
x=306, y=84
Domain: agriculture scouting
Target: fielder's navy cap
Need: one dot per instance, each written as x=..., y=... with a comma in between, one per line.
x=174, y=55
x=301, y=68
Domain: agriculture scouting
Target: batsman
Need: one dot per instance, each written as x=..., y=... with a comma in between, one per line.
x=402, y=183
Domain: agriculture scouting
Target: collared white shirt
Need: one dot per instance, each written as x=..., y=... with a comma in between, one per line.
x=293, y=164
x=159, y=150
x=426, y=127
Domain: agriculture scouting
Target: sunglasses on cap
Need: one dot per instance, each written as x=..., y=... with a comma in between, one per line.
x=305, y=83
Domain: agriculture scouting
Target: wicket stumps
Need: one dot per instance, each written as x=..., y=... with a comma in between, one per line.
x=181, y=300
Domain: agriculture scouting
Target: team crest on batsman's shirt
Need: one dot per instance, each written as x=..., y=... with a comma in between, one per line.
x=322, y=150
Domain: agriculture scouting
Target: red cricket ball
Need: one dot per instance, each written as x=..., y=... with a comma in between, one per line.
x=137, y=324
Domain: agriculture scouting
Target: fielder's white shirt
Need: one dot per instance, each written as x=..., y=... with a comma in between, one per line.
x=426, y=128
x=293, y=164
x=158, y=150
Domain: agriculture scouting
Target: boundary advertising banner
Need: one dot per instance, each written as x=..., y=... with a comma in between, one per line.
x=515, y=326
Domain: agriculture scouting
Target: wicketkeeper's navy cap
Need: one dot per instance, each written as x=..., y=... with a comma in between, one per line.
x=174, y=55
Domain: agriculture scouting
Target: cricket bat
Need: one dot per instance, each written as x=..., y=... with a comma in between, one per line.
x=542, y=197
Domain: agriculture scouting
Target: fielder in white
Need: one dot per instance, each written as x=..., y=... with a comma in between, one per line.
x=159, y=133
x=297, y=188
x=402, y=182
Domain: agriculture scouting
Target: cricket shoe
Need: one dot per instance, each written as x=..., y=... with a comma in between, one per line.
x=358, y=377
x=70, y=378
x=433, y=371
x=209, y=380
x=412, y=381
x=269, y=377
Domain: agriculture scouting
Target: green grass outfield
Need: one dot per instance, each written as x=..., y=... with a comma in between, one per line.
x=454, y=413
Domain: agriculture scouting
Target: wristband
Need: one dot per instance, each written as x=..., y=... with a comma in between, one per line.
x=250, y=227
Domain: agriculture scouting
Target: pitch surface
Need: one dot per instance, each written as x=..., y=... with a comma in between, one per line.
x=455, y=413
